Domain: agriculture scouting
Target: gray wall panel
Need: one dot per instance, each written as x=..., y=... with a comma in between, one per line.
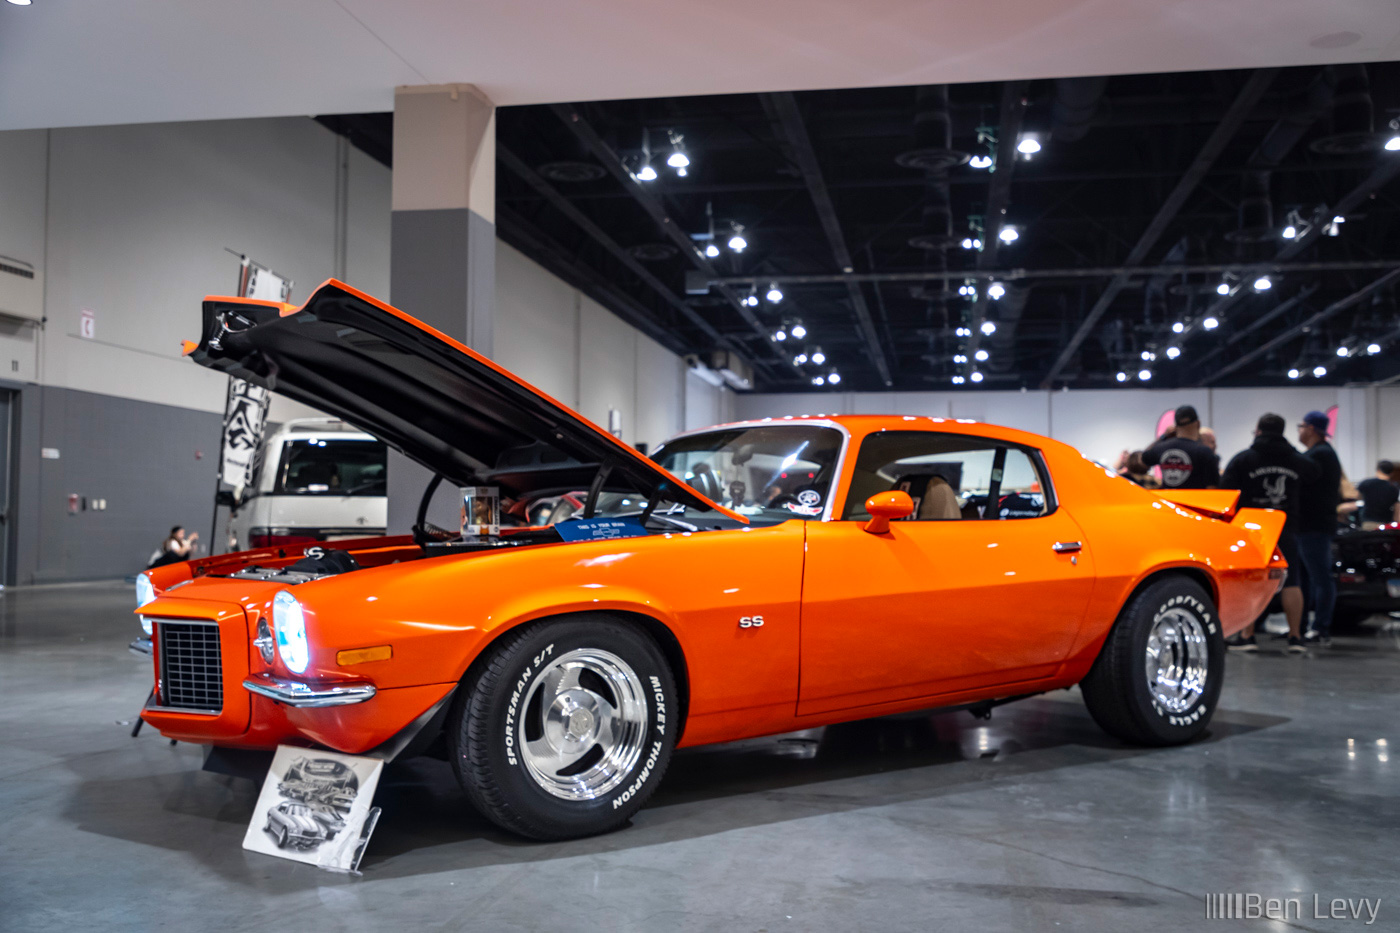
x=154, y=464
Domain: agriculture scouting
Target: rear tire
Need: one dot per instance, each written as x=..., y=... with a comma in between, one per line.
x=566, y=727
x=1157, y=678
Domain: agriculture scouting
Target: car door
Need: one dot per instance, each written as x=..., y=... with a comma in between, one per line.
x=985, y=584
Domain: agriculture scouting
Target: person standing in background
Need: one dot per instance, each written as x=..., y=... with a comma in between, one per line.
x=1272, y=475
x=1208, y=438
x=1317, y=524
x=1186, y=462
x=1380, y=498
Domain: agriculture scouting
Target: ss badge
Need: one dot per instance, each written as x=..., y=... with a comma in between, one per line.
x=751, y=622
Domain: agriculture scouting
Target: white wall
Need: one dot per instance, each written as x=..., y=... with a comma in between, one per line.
x=588, y=358
x=1102, y=423
x=136, y=229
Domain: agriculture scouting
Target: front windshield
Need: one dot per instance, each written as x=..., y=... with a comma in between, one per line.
x=324, y=466
x=770, y=473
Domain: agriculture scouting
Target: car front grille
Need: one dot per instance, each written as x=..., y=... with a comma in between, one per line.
x=191, y=666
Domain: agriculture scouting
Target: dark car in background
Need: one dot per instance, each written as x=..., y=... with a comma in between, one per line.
x=1368, y=573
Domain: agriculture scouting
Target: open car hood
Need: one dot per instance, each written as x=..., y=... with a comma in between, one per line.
x=423, y=393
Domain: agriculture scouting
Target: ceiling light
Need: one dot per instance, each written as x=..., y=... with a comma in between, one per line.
x=1009, y=234
x=1145, y=374
x=1339, y=219
x=967, y=242
x=989, y=328
x=799, y=359
x=963, y=332
x=1148, y=356
x=1263, y=283
x=1293, y=374
x=995, y=291
x=818, y=356
x=985, y=161
x=1178, y=327
x=1210, y=323
x=1029, y=145
x=798, y=330
x=775, y=294
x=1342, y=351
x=20, y=2
x=1122, y=377
x=959, y=358
x=980, y=356
x=1319, y=371
x=1223, y=288
x=1373, y=348
x=818, y=380
x=678, y=160
x=958, y=380
x=681, y=172
x=738, y=243
x=780, y=335
x=750, y=301
x=1289, y=232
x=834, y=378
x=1173, y=352
x=711, y=250
x=976, y=376
x=1391, y=145
x=647, y=173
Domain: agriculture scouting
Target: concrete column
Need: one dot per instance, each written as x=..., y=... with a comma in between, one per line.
x=442, y=264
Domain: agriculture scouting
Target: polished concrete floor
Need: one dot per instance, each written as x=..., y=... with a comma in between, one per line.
x=1032, y=821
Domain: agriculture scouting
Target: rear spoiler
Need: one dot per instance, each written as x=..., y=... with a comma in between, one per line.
x=1212, y=503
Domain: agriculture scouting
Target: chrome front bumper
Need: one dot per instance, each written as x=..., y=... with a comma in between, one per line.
x=296, y=693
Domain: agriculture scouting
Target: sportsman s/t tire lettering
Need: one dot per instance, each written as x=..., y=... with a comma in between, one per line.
x=1157, y=678
x=566, y=726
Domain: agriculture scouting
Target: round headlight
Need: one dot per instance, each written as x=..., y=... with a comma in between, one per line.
x=289, y=625
x=145, y=590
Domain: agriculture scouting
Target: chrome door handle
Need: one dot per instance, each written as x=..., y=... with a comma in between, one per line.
x=1067, y=547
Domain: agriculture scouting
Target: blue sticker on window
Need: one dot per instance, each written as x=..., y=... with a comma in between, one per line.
x=599, y=529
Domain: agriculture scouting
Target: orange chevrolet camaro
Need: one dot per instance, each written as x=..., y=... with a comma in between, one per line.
x=747, y=579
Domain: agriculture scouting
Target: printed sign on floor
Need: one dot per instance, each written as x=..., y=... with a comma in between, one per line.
x=315, y=807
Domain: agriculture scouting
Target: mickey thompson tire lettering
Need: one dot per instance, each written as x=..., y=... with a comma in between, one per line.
x=498, y=713
x=1117, y=691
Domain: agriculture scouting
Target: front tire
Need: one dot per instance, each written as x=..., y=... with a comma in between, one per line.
x=566, y=727
x=1157, y=678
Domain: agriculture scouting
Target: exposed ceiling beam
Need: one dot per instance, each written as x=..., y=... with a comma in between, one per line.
x=1356, y=297
x=1130, y=273
x=791, y=125
x=528, y=175
x=1234, y=118
x=1013, y=111
x=569, y=115
x=1274, y=314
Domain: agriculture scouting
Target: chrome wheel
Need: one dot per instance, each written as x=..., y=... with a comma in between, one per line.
x=584, y=724
x=1178, y=660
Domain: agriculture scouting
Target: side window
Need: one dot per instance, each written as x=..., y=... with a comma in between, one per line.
x=950, y=477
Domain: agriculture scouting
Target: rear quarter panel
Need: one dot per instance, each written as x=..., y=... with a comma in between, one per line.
x=1135, y=534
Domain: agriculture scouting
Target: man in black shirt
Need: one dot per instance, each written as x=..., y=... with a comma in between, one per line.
x=1186, y=463
x=1378, y=497
x=1317, y=523
x=1271, y=475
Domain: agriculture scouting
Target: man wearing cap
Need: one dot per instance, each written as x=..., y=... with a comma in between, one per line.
x=1317, y=523
x=1271, y=475
x=1186, y=462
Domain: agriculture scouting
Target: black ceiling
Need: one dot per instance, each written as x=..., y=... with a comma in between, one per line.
x=1148, y=191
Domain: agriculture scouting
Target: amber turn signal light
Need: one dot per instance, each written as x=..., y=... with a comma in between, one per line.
x=363, y=655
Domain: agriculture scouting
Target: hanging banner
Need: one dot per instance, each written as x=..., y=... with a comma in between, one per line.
x=315, y=807
x=245, y=415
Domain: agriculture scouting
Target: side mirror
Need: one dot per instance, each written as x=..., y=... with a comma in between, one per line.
x=885, y=507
